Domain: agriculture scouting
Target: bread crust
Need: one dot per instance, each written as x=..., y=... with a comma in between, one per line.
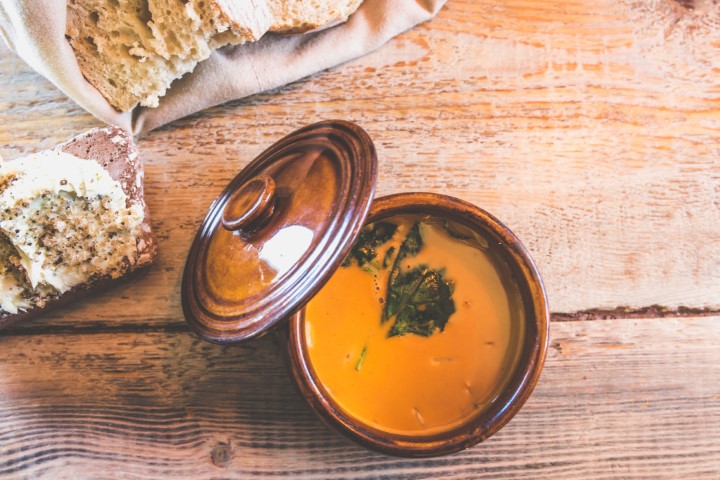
x=114, y=149
x=303, y=16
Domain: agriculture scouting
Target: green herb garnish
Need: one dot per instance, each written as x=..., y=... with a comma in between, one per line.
x=420, y=299
x=388, y=257
x=457, y=232
x=360, y=361
x=464, y=234
x=410, y=247
x=365, y=250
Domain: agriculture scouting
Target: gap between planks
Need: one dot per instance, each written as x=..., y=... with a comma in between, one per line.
x=102, y=327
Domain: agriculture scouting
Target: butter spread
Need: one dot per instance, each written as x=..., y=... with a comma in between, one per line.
x=65, y=222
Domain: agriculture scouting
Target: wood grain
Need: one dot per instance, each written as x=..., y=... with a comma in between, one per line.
x=618, y=399
x=591, y=128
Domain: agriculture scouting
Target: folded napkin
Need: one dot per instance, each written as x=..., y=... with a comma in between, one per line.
x=35, y=30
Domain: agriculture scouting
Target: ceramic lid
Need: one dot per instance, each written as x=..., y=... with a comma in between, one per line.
x=278, y=231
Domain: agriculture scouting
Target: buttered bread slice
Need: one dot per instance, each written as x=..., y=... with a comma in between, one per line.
x=72, y=219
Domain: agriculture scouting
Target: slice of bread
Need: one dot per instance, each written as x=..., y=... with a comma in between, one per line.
x=114, y=150
x=299, y=16
x=132, y=50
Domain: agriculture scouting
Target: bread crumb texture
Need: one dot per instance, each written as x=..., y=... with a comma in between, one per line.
x=131, y=50
x=64, y=222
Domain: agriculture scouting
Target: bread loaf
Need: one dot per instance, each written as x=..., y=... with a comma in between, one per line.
x=70, y=227
x=132, y=50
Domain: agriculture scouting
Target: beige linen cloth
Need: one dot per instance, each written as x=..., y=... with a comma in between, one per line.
x=35, y=30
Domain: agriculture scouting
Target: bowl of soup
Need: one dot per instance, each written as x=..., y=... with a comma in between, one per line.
x=431, y=334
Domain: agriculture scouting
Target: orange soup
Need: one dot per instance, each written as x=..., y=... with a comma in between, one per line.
x=419, y=330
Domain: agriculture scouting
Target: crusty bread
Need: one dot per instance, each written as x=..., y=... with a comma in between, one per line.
x=131, y=50
x=299, y=16
x=115, y=151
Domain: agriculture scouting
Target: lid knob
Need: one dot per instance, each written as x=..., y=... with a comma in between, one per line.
x=251, y=205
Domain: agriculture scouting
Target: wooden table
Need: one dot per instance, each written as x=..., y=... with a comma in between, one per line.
x=591, y=128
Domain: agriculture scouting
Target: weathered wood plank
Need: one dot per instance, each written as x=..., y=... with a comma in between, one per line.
x=618, y=399
x=590, y=128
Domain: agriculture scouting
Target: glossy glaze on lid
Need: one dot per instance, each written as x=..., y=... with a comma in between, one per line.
x=278, y=231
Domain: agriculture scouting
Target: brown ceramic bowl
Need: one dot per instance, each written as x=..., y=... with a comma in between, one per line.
x=522, y=380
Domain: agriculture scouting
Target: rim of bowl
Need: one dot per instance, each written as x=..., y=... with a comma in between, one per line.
x=521, y=383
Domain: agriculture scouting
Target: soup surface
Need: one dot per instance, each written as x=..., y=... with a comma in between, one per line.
x=419, y=330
